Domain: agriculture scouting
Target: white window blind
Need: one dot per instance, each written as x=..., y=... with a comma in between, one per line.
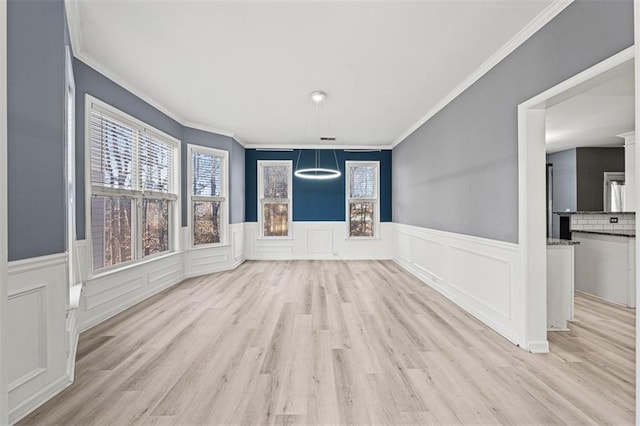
x=209, y=206
x=111, y=151
x=362, y=182
x=274, y=198
x=207, y=175
x=362, y=198
x=276, y=181
x=156, y=160
x=125, y=156
x=133, y=187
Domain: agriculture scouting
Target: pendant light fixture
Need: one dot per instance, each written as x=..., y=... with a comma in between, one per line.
x=317, y=172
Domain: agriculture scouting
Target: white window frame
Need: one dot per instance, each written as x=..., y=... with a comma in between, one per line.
x=73, y=266
x=376, y=200
x=262, y=201
x=137, y=196
x=224, y=222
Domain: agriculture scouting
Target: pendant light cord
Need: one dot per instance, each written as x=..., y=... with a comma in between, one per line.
x=314, y=173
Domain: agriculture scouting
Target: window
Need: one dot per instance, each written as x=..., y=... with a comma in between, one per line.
x=133, y=176
x=274, y=198
x=208, y=192
x=362, y=198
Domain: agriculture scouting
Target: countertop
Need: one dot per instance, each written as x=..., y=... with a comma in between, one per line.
x=619, y=233
x=559, y=242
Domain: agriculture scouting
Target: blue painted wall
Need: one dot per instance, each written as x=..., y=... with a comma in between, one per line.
x=90, y=81
x=236, y=169
x=317, y=200
x=35, y=128
x=459, y=171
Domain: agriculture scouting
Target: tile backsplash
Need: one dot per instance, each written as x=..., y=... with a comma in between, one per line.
x=601, y=221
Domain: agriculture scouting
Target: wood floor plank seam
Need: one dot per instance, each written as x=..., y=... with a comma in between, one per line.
x=338, y=342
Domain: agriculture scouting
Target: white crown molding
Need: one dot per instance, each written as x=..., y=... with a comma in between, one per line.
x=116, y=78
x=240, y=141
x=629, y=137
x=523, y=35
x=73, y=20
x=205, y=128
x=345, y=147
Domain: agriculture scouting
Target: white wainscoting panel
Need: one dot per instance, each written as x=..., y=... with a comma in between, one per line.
x=111, y=293
x=108, y=294
x=318, y=240
x=37, y=341
x=478, y=274
x=207, y=260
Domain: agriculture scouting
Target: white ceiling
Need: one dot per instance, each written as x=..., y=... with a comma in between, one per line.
x=247, y=67
x=596, y=114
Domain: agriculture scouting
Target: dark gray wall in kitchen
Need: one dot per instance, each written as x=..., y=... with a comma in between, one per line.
x=591, y=165
x=35, y=128
x=459, y=171
x=564, y=184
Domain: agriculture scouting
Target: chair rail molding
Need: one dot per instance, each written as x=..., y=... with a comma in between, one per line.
x=477, y=274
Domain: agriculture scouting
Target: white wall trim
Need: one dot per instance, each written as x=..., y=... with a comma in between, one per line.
x=35, y=263
x=317, y=241
x=116, y=78
x=37, y=399
x=74, y=20
x=477, y=274
x=539, y=347
x=73, y=16
x=4, y=404
x=636, y=51
x=112, y=311
x=523, y=35
x=72, y=8
x=39, y=338
x=531, y=196
x=210, y=129
x=285, y=147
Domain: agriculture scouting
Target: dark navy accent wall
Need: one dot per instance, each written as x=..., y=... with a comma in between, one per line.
x=35, y=128
x=236, y=169
x=317, y=200
x=459, y=171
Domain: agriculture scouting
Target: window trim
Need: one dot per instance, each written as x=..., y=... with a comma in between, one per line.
x=224, y=240
x=262, y=201
x=136, y=217
x=375, y=200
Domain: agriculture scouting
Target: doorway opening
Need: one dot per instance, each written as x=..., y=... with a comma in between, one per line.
x=532, y=188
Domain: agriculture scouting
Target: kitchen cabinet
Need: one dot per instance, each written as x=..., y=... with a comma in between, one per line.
x=605, y=266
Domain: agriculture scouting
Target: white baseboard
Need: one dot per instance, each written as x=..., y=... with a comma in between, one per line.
x=477, y=274
x=538, y=347
x=38, y=340
x=91, y=321
x=33, y=401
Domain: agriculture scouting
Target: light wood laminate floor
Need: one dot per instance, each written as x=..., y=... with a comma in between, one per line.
x=337, y=342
